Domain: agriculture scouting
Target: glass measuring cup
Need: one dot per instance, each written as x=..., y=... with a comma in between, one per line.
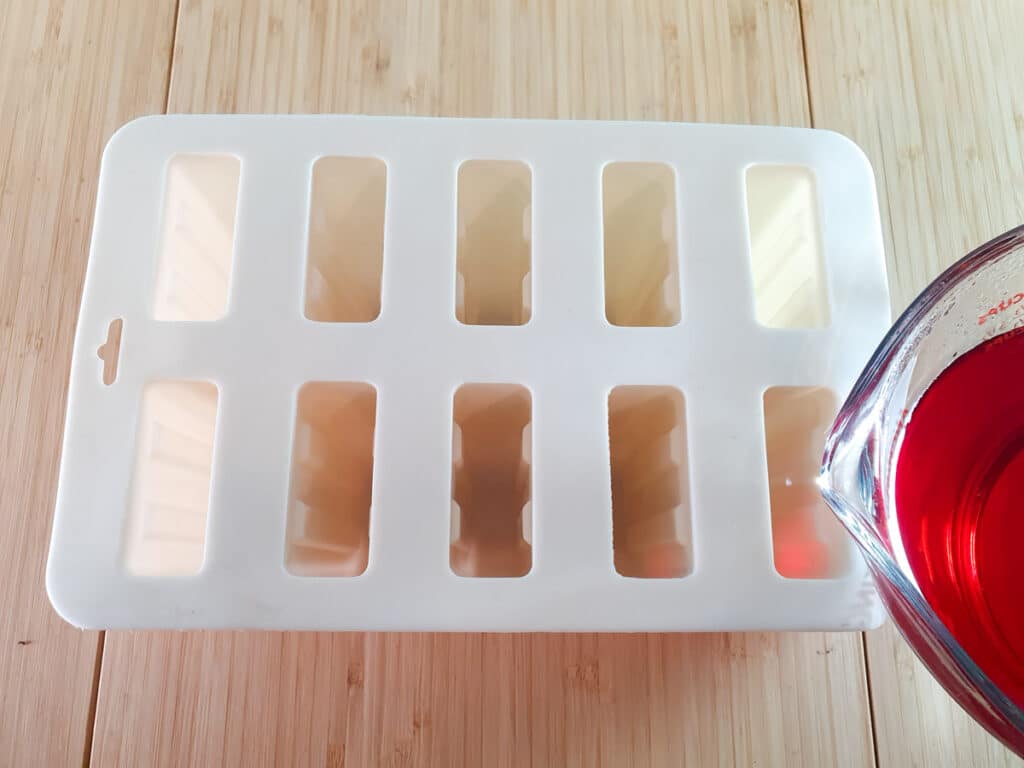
x=977, y=299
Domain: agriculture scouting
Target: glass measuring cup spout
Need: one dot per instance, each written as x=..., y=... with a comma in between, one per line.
x=977, y=300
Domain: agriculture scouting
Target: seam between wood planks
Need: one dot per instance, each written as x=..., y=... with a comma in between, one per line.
x=94, y=694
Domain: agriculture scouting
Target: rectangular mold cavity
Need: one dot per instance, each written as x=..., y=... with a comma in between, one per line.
x=808, y=541
x=650, y=482
x=193, y=270
x=491, y=526
x=332, y=479
x=345, y=263
x=641, y=258
x=492, y=283
x=170, y=494
x=785, y=247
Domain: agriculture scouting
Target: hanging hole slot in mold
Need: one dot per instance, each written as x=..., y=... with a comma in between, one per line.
x=492, y=283
x=491, y=525
x=641, y=261
x=345, y=263
x=808, y=541
x=785, y=247
x=332, y=479
x=195, y=255
x=650, y=482
x=110, y=351
x=170, y=493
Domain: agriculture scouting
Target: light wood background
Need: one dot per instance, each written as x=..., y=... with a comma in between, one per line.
x=932, y=89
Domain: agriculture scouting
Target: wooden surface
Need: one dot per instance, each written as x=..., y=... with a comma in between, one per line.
x=931, y=90
x=69, y=75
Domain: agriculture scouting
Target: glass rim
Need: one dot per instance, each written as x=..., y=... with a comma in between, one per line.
x=911, y=319
x=867, y=398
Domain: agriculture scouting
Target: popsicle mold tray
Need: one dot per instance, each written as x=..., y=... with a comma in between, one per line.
x=396, y=373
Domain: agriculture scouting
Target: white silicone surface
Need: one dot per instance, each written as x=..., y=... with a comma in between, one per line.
x=256, y=347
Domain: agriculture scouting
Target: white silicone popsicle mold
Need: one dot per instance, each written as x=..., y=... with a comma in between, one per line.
x=447, y=374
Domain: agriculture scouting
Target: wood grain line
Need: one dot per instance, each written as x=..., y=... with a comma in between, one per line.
x=94, y=696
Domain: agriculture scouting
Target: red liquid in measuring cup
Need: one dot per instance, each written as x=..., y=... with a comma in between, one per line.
x=960, y=504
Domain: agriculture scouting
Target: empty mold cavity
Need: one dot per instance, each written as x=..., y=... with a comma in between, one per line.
x=332, y=479
x=346, y=239
x=785, y=251
x=492, y=284
x=170, y=496
x=641, y=261
x=194, y=259
x=650, y=482
x=807, y=539
x=490, y=523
